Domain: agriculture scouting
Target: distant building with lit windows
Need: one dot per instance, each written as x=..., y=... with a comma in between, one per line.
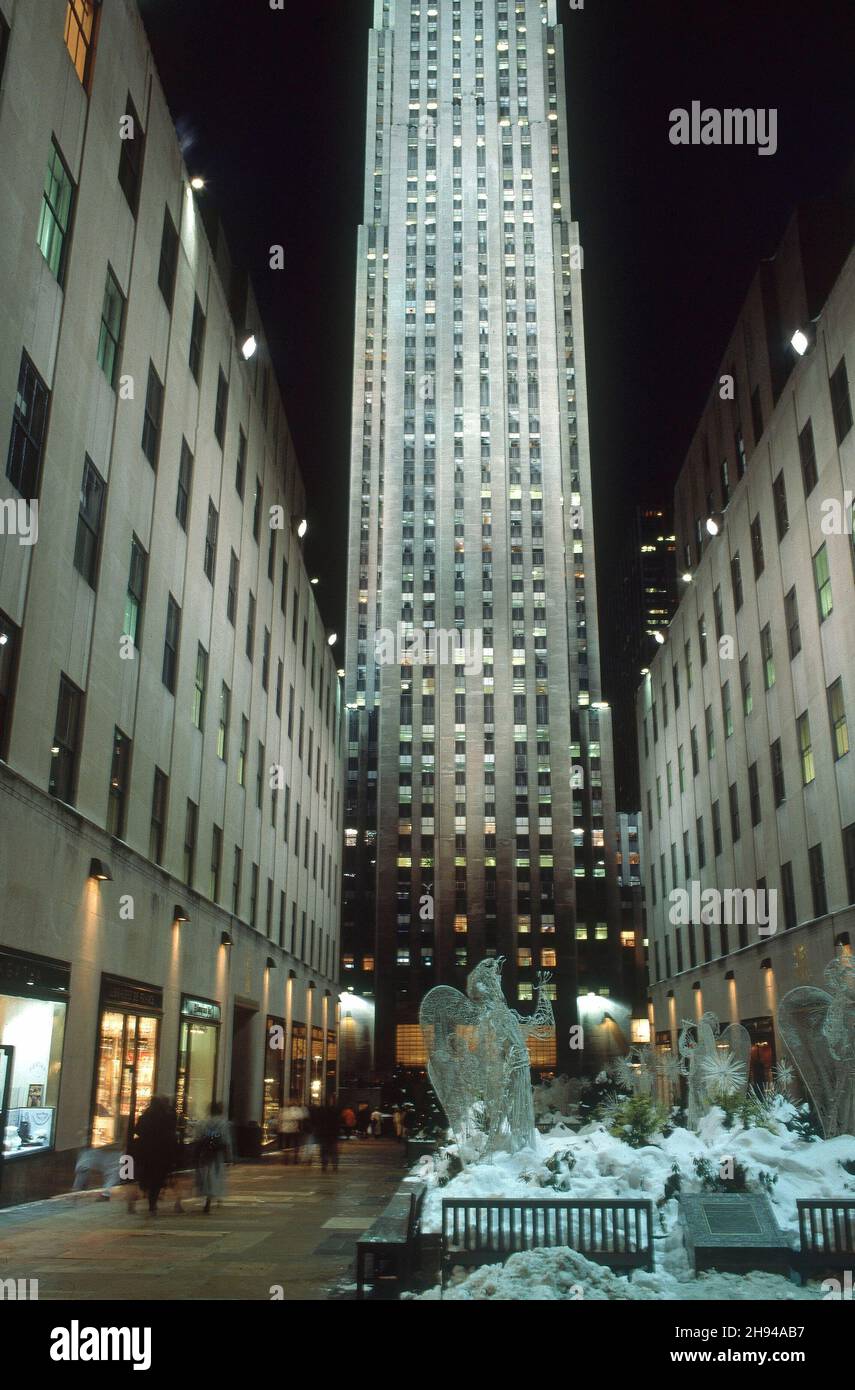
x=748, y=778
x=170, y=714
x=467, y=831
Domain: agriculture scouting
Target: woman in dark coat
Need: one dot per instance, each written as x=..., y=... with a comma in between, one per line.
x=155, y=1148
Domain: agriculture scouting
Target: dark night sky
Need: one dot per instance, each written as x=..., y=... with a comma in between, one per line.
x=274, y=104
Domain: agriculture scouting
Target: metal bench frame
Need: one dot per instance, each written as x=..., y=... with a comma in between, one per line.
x=389, y=1243
x=613, y=1232
x=826, y=1234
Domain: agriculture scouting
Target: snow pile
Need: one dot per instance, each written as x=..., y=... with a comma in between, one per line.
x=563, y=1275
x=601, y=1166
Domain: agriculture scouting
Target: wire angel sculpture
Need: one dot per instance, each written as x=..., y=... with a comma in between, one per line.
x=637, y=1071
x=478, y=1061
x=714, y=1061
x=818, y=1028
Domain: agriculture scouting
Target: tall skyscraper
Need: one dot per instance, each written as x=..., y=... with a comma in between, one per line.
x=480, y=806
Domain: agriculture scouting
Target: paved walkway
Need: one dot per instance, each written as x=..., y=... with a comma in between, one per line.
x=290, y=1227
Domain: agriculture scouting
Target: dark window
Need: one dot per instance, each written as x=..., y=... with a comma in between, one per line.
x=168, y=266
x=768, y=656
x=170, y=644
x=779, y=495
x=265, y=659
x=291, y=711
x=191, y=822
x=837, y=720
x=216, y=862
x=702, y=639
x=280, y=678
x=702, y=849
x=741, y=461
x=131, y=157
x=4, y=45
x=745, y=683
x=757, y=547
x=259, y=776
x=807, y=455
x=754, y=794
x=9, y=644
x=210, y=559
x=153, y=416
x=197, y=339
x=788, y=892
x=120, y=774
x=756, y=414
x=718, y=612
x=283, y=588
x=240, y=466
x=819, y=896
x=822, y=582
x=716, y=827
x=232, y=593
x=675, y=678
x=29, y=425
x=250, y=626
x=110, y=336
x=271, y=554
x=841, y=406
x=87, y=545
x=779, y=787
x=791, y=617
x=710, y=732
x=736, y=582
x=221, y=410
x=256, y=510
x=200, y=687
x=55, y=220
x=236, y=875
x=80, y=26
x=848, y=858
x=185, y=480
x=132, y=624
x=733, y=797
x=66, y=742
x=253, y=895
x=157, y=830
x=693, y=736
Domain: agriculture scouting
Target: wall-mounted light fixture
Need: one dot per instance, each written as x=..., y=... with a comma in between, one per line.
x=670, y=994
x=696, y=985
x=800, y=342
x=730, y=975
x=271, y=963
x=180, y=914
x=302, y=528
x=766, y=963
x=197, y=183
x=100, y=869
x=225, y=938
x=292, y=974
x=248, y=347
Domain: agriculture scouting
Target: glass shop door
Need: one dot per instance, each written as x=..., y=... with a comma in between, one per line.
x=126, y=1074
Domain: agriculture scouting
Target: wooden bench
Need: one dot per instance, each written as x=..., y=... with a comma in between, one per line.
x=385, y=1252
x=613, y=1232
x=827, y=1234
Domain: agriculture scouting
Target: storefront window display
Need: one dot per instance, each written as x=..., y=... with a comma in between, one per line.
x=316, y=1083
x=274, y=1079
x=196, y=1077
x=33, y=995
x=298, y=1062
x=126, y=1064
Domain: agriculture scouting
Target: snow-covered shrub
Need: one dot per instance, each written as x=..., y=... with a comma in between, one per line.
x=712, y=1179
x=636, y=1120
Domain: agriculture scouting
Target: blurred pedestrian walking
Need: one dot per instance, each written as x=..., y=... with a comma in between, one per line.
x=103, y=1163
x=289, y=1123
x=363, y=1119
x=155, y=1148
x=328, y=1129
x=348, y=1119
x=213, y=1152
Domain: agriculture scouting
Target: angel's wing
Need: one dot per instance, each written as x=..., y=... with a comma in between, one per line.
x=801, y=1017
x=449, y=1022
x=738, y=1039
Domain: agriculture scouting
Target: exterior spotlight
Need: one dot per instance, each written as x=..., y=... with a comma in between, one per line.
x=842, y=939
x=659, y=637
x=302, y=528
x=670, y=994
x=197, y=183
x=766, y=963
x=800, y=342
x=730, y=975
x=311, y=985
x=645, y=670
x=180, y=914
x=249, y=346
x=271, y=963
x=696, y=985
x=99, y=869
x=292, y=974
x=340, y=674
x=4, y=638
x=687, y=577
x=713, y=526
x=315, y=580
x=332, y=639
x=225, y=938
